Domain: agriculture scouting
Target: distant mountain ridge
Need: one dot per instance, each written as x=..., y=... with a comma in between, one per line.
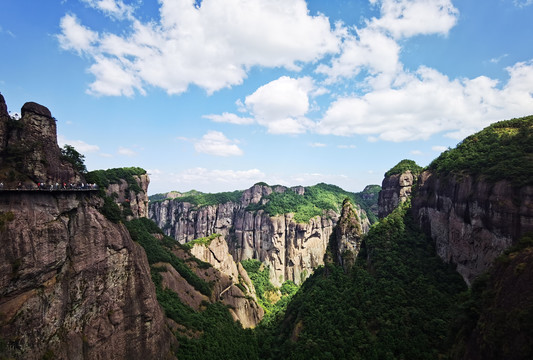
x=288, y=229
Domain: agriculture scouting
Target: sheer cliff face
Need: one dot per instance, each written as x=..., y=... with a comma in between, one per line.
x=292, y=250
x=395, y=189
x=472, y=221
x=72, y=284
x=137, y=201
x=29, y=150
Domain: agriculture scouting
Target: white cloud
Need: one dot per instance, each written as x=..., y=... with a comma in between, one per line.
x=346, y=146
x=416, y=152
x=212, y=46
x=113, y=8
x=281, y=105
x=317, y=145
x=75, y=36
x=230, y=118
x=217, y=144
x=80, y=145
x=126, y=152
x=522, y=3
x=424, y=103
x=406, y=18
x=368, y=49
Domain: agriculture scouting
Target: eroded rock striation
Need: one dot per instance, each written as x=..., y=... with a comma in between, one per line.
x=472, y=221
x=234, y=288
x=292, y=250
x=29, y=152
x=125, y=196
x=395, y=190
x=73, y=285
x=346, y=241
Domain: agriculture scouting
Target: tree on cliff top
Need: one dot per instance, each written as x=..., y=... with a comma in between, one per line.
x=403, y=166
x=77, y=160
x=503, y=150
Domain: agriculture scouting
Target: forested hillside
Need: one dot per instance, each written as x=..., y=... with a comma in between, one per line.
x=397, y=302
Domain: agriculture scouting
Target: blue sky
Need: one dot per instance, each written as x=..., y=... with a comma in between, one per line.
x=216, y=95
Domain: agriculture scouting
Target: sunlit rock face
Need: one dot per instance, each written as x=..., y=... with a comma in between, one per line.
x=395, y=190
x=292, y=250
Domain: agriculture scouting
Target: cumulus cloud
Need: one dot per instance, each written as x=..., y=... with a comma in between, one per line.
x=281, y=105
x=212, y=46
x=75, y=36
x=367, y=49
x=406, y=18
x=426, y=102
x=217, y=144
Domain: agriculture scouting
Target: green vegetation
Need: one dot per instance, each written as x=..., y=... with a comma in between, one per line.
x=368, y=200
x=205, y=241
x=396, y=303
x=208, y=334
x=273, y=300
x=502, y=151
x=6, y=217
x=316, y=201
x=103, y=178
x=74, y=157
x=403, y=166
x=495, y=317
x=200, y=199
x=160, y=251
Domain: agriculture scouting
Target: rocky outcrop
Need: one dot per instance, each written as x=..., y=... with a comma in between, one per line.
x=73, y=285
x=472, y=221
x=346, y=241
x=238, y=292
x=29, y=151
x=292, y=250
x=395, y=189
x=125, y=196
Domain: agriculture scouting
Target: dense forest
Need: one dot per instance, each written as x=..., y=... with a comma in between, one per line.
x=501, y=151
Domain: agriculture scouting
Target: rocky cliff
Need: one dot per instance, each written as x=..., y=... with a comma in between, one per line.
x=395, y=189
x=73, y=285
x=132, y=202
x=234, y=287
x=476, y=200
x=346, y=242
x=29, y=153
x=292, y=250
x=472, y=221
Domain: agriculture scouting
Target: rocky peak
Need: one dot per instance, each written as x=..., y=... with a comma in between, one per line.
x=254, y=194
x=125, y=197
x=395, y=189
x=29, y=151
x=346, y=240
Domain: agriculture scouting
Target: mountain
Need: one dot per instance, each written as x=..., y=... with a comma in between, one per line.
x=73, y=284
x=287, y=229
x=468, y=214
